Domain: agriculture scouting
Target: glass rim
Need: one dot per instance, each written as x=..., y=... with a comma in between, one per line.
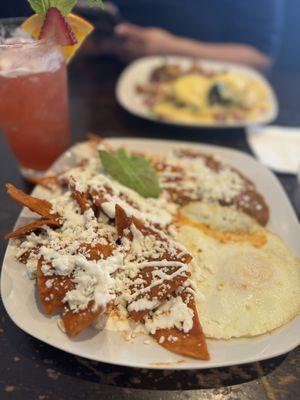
x=17, y=21
x=29, y=44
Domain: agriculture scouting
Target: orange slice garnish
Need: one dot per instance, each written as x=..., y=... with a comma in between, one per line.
x=80, y=27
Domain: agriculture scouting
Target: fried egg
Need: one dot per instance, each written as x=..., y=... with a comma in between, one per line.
x=242, y=290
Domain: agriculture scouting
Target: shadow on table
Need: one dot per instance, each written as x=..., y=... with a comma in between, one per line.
x=134, y=378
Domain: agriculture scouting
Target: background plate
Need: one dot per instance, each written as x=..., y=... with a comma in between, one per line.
x=20, y=300
x=139, y=71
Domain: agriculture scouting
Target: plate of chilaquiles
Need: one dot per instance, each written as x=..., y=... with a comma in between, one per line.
x=156, y=254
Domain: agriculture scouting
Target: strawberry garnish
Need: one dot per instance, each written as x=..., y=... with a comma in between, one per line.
x=57, y=28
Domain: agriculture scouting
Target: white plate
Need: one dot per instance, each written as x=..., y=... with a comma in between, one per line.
x=139, y=72
x=19, y=295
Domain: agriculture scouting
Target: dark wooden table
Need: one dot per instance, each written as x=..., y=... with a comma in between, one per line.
x=30, y=369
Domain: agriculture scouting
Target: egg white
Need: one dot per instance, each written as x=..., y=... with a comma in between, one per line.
x=243, y=290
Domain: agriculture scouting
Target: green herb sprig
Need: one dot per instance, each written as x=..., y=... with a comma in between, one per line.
x=64, y=6
x=134, y=172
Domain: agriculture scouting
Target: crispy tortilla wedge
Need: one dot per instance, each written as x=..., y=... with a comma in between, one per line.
x=53, y=289
x=191, y=344
x=94, y=139
x=105, y=194
x=49, y=182
x=39, y=206
x=158, y=292
x=97, y=251
x=74, y=323
x=33, y=226
x=123, y=223
x=152, y=283
x=81, y=198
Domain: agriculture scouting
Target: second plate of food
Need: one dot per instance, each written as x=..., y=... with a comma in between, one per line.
x=183, y=91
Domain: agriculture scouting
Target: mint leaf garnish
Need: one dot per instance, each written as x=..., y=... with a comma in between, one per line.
x=134, y=172
x=64, y=6
x=39, y=6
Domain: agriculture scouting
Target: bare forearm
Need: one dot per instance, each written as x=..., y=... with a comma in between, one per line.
x=139, y=41
x=230, y=52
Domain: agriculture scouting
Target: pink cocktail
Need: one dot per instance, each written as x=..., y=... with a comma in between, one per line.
x=34, y=111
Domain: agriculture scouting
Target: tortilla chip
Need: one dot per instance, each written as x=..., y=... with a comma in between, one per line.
x=48, y=181
x=81, y=198
x=98, y=197
x=52, y=296
x=53, y=292
x=52, y=300
x=24, y=257
x=33, y=226
x=123, y=223
x=53, y=289
x=93, y=138
x=39, y=206
x=74, y=323
x=104, y=195
x=161, y=291
x=191, y=344
x=97, y=251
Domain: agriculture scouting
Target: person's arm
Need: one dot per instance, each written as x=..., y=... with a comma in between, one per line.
x=232, y=52
x=139, y=41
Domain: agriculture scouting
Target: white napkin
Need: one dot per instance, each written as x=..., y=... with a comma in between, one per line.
x=276, y=147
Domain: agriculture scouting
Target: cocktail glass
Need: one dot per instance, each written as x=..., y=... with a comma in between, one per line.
x=34, y=109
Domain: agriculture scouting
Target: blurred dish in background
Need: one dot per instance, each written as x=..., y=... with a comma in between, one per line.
x=180, y=91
